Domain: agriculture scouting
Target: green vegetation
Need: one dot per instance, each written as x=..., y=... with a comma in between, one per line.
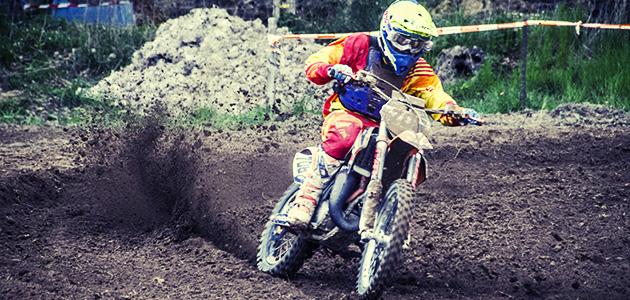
x=306, y=104
x=209, y=117
x=53, y=61
x=562, y=67
x=47, y=64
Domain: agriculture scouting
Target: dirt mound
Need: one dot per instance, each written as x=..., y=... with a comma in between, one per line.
x=208, y=58
x=590, y=114
x=458, y=62
x=567, y=114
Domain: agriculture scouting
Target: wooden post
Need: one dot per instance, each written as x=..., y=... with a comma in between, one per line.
x=524, y=67
x=291, y=9
x=272, y=68
x=276, y=9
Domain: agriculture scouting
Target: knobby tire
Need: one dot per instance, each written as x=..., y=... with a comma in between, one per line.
x=393, y=219
x=285, y=264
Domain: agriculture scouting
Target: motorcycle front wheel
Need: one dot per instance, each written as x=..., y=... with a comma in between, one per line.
x=282, y=253
x=381, y=254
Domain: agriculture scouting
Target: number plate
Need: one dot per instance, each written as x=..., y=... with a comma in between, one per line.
x=400, y=117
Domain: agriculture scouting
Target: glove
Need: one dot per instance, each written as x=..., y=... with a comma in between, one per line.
x=470, y=113
x=341, y=73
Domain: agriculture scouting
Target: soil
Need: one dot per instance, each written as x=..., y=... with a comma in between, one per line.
x=516, y=208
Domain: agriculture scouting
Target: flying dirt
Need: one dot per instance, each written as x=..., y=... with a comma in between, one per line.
x=530, y=205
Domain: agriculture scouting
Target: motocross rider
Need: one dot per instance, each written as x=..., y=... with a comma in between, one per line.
x=405, y=34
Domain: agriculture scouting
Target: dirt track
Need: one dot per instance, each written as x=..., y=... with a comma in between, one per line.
x=536, y=211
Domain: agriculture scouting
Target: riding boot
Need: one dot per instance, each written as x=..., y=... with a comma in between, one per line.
x=317, y=178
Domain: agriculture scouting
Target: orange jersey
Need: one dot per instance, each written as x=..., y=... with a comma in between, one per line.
x=352, y=50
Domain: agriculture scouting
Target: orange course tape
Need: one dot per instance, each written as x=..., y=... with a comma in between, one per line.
x=273, y=39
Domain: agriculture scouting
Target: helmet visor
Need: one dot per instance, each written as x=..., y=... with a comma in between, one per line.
x=406, y=44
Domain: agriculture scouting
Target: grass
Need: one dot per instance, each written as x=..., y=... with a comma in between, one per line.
x=208, y=116
x=53, y=62
x=306, y=104
x=562, y=67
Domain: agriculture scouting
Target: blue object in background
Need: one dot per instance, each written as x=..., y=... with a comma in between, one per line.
x=120, y=14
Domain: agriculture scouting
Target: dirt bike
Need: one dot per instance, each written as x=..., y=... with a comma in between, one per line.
x=367, y=204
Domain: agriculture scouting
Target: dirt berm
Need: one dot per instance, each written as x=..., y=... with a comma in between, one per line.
x=523, y=207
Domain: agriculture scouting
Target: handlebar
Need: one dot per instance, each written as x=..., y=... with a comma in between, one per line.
x=365, y=78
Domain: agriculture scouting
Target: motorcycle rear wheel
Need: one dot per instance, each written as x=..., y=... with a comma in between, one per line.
x=282, y=253
x=381, y=255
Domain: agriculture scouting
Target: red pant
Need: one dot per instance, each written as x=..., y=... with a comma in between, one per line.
x=339, y=131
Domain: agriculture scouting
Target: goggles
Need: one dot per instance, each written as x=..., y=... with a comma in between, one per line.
x=406, y=44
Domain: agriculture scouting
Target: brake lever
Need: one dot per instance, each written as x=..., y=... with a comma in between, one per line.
x=464, y=116
x=478, y=122
x=455, y=114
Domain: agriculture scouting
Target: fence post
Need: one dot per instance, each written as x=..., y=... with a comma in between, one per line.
x=272, y=68
x=524, y=66
x=291, y=6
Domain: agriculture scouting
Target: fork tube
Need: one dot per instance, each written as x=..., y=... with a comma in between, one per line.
x=375, y=187
x=412, y=168
x=380, y=153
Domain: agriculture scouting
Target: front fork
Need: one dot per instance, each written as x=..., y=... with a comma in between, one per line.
x=375, y=187
x=416, y=169
x=416, y=174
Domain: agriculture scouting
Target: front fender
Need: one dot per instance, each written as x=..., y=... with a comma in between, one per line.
x=417, y=170
x=415, y=139
x=401, y=148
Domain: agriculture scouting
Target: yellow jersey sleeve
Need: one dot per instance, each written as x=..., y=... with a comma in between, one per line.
x=422, y=82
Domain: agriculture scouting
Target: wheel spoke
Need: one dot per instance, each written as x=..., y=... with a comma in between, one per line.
x=281, y=251
x=279, y=244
